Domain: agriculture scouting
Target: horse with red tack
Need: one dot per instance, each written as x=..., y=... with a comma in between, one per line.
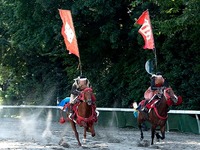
x=157, y=114
x=85, y=114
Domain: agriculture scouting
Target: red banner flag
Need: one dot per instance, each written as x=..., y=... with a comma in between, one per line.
x=68, y=32
x=146, y=30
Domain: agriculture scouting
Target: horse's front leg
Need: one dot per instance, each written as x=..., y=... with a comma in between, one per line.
x=92, y=130
x=75, y=132
x=84, y=134
x=162, y=130
x=153, y=130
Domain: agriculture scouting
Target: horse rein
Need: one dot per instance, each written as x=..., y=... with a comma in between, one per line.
x=159, y=95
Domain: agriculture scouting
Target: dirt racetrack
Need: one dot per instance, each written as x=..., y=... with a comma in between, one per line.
x=36, y=134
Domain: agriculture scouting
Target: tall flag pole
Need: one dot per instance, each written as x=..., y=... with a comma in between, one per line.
x=69, y=35
x=147, y=33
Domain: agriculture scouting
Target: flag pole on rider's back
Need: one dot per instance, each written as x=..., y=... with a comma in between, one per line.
x=147, y=33
x=155, y=56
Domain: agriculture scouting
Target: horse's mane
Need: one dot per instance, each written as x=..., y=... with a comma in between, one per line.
x=88, y=89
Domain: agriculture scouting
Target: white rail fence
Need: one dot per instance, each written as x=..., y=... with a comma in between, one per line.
x=187, y=112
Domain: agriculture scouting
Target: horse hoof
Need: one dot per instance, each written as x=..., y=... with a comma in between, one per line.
x=64, y=144
x=84, y=141
x=143, y=143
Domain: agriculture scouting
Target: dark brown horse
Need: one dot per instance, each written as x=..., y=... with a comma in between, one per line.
x=157, y=115
x=85, y=114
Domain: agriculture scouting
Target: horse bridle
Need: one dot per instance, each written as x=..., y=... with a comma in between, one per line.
x=89, y=101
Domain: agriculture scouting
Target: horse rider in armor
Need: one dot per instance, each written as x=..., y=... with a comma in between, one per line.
x=80, y=83
x=158, y=84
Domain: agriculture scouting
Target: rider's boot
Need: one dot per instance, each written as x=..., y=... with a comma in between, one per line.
x=70, y=111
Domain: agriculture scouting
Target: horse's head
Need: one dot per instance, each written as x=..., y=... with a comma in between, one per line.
x=171, y=98
x=87, y=96
x=86, y=107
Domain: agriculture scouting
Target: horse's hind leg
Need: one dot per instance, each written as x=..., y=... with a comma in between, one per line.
x=140, y=121
x=141, y=132
x=153, y=130
x=162, y=129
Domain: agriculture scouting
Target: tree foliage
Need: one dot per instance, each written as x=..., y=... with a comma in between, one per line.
x=36, y=68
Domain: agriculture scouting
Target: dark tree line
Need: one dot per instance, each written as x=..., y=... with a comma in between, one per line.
x=36, y=67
